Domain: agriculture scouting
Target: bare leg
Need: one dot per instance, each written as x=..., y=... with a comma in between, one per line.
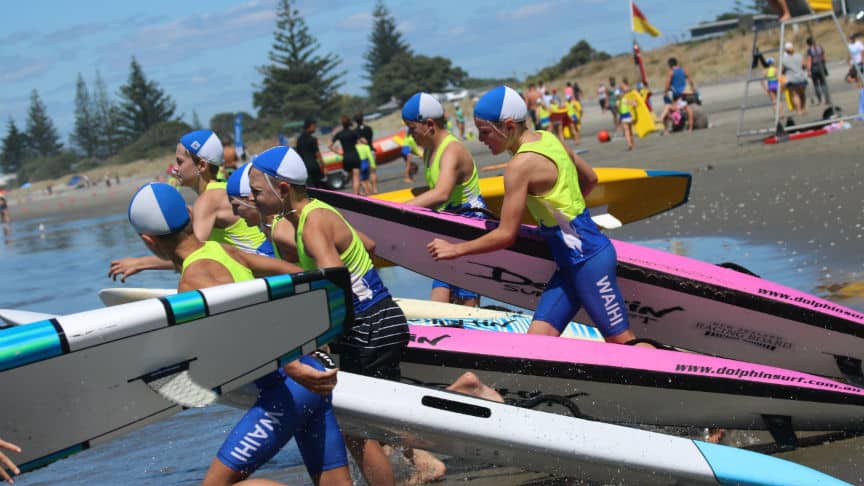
x=628, y=135
x=373, y=178
x=221, y=475
x=355, y=181
x=471, y=302
x=782, y=9
x=372, y=461
x=440, y=294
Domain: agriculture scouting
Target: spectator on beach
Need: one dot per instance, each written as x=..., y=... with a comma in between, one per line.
x=677, y=79
x=568, y=90
x=613, y=94
x=4, y=211
x=772, y=82
x=856, y=56
x=818, y=70
x=796, y=77
x=626, y=112
x=460, y=120
x=307, y=147
x=363, y=130
x=676, y=114
x=601, y=97
x=347, y=139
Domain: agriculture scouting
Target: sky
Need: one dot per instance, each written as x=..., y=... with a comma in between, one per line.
x=204, y=53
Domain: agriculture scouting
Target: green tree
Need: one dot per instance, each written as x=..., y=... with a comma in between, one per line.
x=298, y=83
x=85, y=135
x=385, y=41
x=196, y=122
x=42, y=138
x=143, y=104
x=14, y=149
x=407, y=74
x=107, y=117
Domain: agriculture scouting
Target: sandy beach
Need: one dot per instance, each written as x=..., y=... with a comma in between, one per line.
x=804, y=196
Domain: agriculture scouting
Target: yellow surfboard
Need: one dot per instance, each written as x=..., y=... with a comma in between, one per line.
x=644, y=123
x=627, y=194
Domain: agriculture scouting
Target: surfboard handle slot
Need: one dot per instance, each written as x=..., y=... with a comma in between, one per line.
x=163, y=372
x=456, y=407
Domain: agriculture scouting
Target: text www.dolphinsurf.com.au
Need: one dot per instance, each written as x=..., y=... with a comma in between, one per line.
x=745, y=373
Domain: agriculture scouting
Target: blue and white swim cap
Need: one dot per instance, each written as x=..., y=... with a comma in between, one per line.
x=422, y=106
x=238, y=183
x=158, y=209
x=282, y=162
x=499, y=104
x=204, y=144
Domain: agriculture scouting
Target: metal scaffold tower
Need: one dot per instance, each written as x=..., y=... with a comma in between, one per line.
x=806, y=13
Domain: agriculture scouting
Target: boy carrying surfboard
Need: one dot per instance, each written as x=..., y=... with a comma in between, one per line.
x=199, y=157
x=551, y=182
x=293, y=401
x=320, y=237
x=451, y=175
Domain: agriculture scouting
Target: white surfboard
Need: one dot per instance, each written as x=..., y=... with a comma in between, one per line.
x=501, y=434
x=76, y=380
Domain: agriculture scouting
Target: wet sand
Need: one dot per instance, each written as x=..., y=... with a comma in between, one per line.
x=802, y=196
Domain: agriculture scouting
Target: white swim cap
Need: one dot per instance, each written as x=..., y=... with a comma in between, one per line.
x=422, y=106
x=158, y=209
x=282, y=162
x=499, y=104
x=204, y=144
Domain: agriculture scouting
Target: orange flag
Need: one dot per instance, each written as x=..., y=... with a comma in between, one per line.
x=640, y=23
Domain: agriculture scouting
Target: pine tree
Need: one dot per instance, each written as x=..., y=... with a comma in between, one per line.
x=42, y=138
x=85, y=135
x=14, y=149
x=196, y=122
x=142, y=104
x=385, y=41
x=298, y=83
x=106, y=115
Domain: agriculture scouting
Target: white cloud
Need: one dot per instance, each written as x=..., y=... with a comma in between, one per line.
x=361, y=21
x=527, y=11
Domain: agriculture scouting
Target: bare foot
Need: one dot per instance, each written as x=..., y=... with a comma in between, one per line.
x=470, y=384
x=784, y=18
x=427, y=467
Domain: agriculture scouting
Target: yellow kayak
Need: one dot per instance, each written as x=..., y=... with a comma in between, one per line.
x=628, y=195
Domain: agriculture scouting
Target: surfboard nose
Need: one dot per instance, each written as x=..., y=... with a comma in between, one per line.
x=736, y=466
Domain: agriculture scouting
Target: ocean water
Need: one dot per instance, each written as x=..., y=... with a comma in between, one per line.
x=56, y=266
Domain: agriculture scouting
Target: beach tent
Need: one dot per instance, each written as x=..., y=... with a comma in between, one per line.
x=75, y=180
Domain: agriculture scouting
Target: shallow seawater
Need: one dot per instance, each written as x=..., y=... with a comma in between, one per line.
x=57, y=266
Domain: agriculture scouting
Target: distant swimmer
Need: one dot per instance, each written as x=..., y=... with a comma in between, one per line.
x=6, y=463
x=451, y=175
x=198, y=157
x=321, y=237
x=294, y=401
x=551, y=182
